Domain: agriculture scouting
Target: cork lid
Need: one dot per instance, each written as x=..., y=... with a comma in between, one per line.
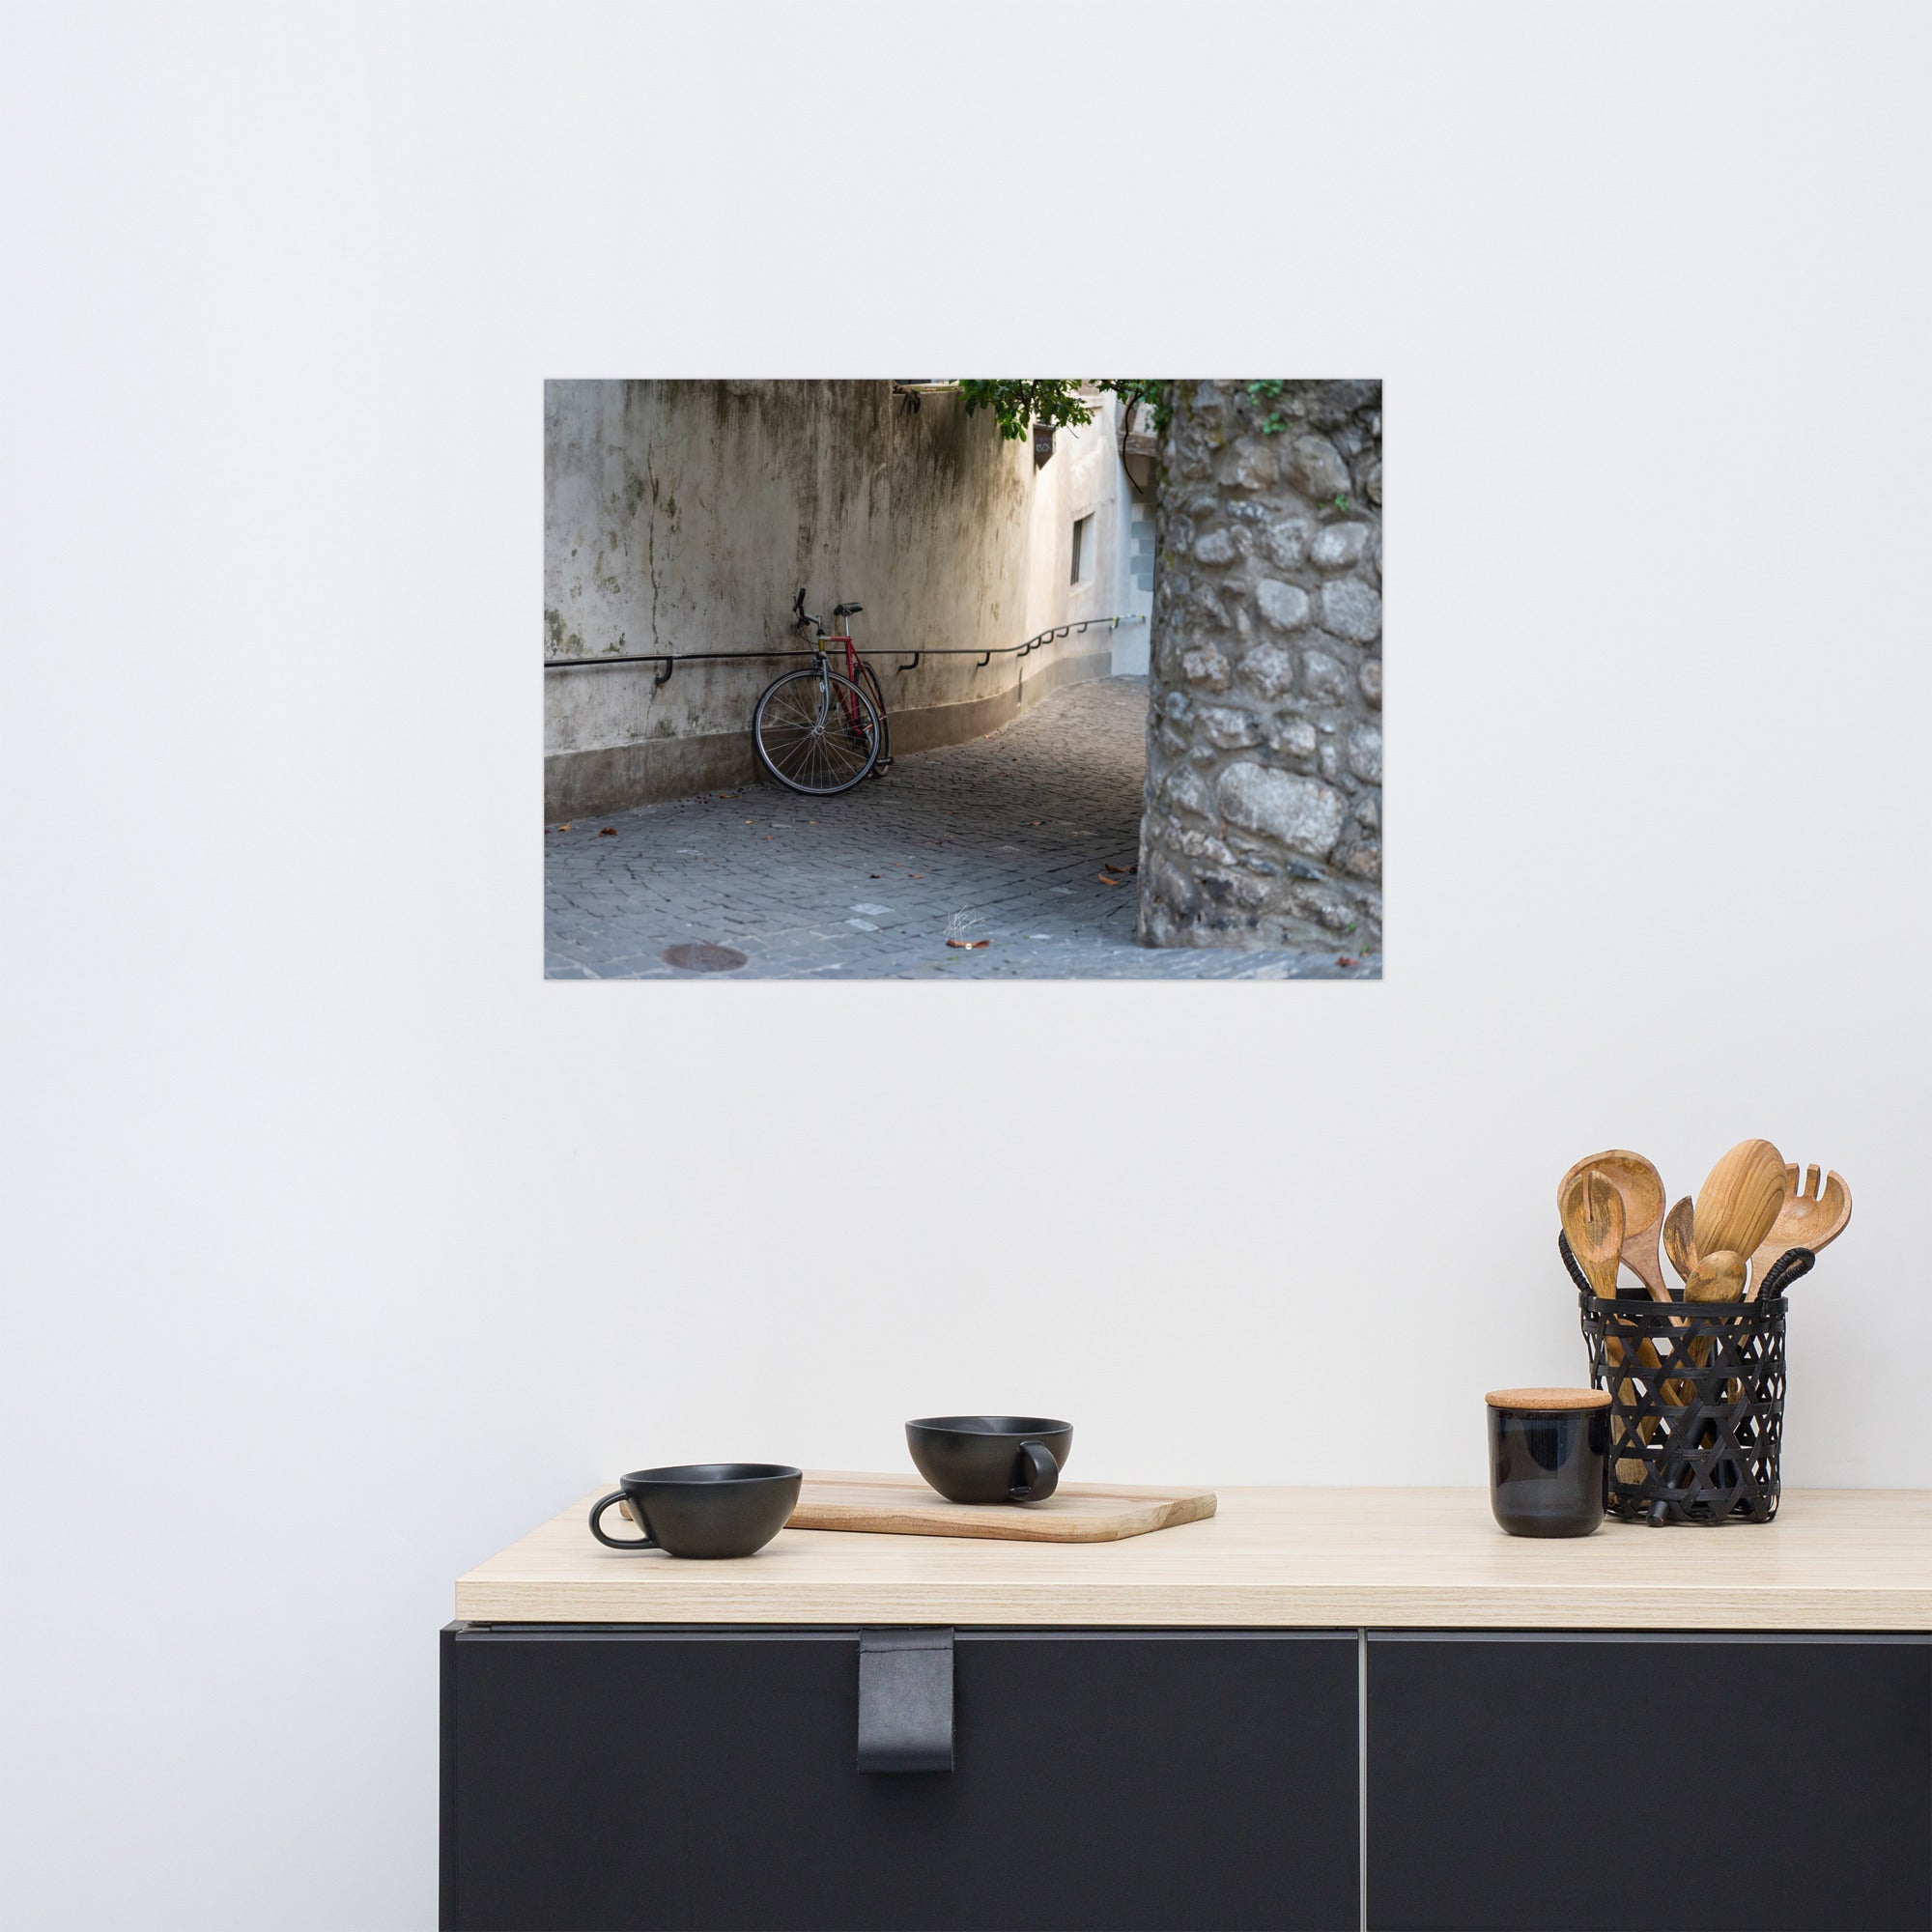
x=1548, y=1399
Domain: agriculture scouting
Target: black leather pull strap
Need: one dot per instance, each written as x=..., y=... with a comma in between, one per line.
x=905, y=1700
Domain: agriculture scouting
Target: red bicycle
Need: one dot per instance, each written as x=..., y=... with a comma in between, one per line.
x=816, y=732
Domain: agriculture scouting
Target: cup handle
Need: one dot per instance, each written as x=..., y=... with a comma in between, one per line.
x=1042, y=1474
x=597, y=1510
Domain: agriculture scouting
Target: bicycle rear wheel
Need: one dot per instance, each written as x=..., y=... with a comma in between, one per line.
x=816, y=733
x=869, y=681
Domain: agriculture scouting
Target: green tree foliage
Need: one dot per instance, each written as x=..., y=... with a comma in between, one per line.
x=1135, y=390
x=1017, y=404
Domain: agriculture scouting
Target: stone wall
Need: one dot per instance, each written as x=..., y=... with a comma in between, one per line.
x=1264, y=820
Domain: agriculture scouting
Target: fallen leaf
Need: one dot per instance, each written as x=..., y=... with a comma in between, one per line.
x=608, y=832
x=1343, y=959
x=968, y=945
x=918, y=875
x=1035, y=821
x=563, y=828
x=1107, y=880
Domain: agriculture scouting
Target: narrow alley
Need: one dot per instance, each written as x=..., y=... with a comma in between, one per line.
x=1017, y=846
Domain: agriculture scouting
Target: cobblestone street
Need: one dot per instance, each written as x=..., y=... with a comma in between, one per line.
x=1006, y=839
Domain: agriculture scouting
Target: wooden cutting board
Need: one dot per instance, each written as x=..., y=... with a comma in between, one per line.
x=1075, y=1512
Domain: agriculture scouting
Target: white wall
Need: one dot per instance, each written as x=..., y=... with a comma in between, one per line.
x=1084, y=478
x=339, y=1248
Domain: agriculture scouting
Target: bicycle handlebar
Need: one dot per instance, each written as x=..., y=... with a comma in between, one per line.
x=801, y=617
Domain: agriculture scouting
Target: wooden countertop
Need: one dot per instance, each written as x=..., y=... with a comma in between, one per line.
x=1834, y=1559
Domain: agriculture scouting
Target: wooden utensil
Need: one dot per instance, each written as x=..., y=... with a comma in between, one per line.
x=1716, y=1277
x=1592, y=1218
x=1628, y=1471
x=1642, y=1188
x=1808, y=1217
x=1679, y=1242
x=1739, y=1200
x=1592, y=1210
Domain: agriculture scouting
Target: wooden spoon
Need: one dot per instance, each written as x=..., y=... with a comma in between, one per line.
x=1739, y=1200
x=1808, y=1217
x=1716, y=1277
x=1592, y=1218
x=1642, y=1188
x=1680, y=1241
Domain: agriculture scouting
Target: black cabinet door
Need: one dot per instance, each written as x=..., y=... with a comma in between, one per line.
x=605, y=1778
x=1577, y=1782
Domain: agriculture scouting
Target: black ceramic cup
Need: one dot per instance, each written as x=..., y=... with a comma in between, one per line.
x=703, y=1509
x=990, y=1458
x=1549, y=1459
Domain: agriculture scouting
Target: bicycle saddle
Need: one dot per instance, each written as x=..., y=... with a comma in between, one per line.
x=848, y=610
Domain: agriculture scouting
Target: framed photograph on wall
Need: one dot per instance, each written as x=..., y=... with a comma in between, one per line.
x=966, y=679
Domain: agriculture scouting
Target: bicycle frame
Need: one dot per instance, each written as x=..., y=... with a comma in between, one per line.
x=819, y=645
x=851, y=664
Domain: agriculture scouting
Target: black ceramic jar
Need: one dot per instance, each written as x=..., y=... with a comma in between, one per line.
x=1549, y=1459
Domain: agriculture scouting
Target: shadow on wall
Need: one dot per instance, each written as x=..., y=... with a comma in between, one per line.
x=684, y=516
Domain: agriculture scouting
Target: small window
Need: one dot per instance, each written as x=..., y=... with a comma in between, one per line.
x=1083, y=550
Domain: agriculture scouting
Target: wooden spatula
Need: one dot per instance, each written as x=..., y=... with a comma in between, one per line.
x=1593, y=1222
x=1592, y=1218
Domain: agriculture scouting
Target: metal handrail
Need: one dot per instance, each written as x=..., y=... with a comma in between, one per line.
x=670, y=659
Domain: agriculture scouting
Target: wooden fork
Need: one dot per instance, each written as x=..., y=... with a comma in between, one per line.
x=1808, y=1217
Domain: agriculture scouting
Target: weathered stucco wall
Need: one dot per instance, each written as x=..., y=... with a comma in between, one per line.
x=684, y=516
x=1085, y=479
x=1264, y=820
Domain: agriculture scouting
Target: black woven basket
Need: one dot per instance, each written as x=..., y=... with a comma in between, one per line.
x=1697, y=1400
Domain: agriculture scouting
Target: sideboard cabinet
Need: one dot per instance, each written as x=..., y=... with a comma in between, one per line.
x=856, y=1732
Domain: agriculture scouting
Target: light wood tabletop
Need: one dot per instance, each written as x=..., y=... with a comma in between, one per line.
x=1381, y=1559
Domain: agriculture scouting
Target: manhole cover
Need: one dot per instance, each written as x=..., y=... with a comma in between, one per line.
x=702, y=958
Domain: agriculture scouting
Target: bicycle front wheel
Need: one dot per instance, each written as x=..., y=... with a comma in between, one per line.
x=816, y=733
